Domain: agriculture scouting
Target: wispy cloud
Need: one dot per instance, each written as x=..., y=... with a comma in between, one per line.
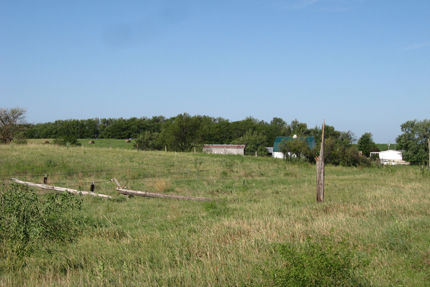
x=301, y=4
x=418, y=46
x=309, y=2
x=326, y=5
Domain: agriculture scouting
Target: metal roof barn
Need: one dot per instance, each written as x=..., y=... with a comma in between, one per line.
x=310, y=141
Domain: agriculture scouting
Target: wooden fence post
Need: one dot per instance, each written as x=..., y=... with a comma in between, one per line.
x=45, y=179
x=320, y=170
x=429, y=151
x=165, y=148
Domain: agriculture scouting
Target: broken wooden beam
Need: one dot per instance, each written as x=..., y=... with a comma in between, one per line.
x=57, y=188
x=160, y=195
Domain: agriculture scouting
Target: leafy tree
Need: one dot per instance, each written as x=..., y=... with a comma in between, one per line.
x=11, y=121
x=295, y=149
x=69, y=131
x=414, y=141
x=276, y=128
x=337, y=153
x=148, y=141
x=365, y=143
x=179, y=133
x=254, y=141
x=222, y=131
x=297, y=128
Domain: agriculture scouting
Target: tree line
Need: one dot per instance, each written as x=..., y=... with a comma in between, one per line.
x=184, y=132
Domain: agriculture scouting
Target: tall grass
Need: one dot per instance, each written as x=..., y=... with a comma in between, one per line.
x=262, y=203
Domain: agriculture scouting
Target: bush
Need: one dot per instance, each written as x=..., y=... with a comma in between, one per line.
x=148, y=141
x=319, y=264
x=254, y=141
x=29, y=222
x=67, y=140
x=295, y=149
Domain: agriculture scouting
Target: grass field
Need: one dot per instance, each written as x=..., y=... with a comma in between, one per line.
x=382, y=214
x=98, y=143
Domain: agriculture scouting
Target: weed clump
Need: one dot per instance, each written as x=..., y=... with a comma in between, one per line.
x=319, y=264
x=30, y=222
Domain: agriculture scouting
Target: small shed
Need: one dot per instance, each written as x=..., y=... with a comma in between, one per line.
x=224, y=149
x=310, y=141
x=392, y=157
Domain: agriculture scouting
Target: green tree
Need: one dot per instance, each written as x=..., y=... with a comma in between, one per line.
x=11, y=121
x=414, y=141
x=276, y=128
x=295, y=149
x=148, y=141
x=179, y=133
x=365, y=143
x=254, y=141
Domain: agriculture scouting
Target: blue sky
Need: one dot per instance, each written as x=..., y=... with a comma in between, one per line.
x=362, y=65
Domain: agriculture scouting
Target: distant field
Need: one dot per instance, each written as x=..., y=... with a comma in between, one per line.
x=381, y=214
x=99, y=143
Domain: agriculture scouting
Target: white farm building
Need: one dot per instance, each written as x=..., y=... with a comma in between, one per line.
x=391, y=157
x=224, y=149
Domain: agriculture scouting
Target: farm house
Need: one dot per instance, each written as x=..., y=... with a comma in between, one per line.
x=277, y=152
x=224, y=149
x=392, y=157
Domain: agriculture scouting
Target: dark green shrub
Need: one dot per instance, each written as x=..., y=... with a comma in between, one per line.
x=319, y=264
x=29, y=221
x=71, y=140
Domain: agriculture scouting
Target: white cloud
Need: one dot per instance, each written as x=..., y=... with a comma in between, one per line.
x=301, y=4
x=418, y=46
x=328, y=5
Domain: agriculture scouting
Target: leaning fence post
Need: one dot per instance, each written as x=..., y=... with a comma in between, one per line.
x=320, y=170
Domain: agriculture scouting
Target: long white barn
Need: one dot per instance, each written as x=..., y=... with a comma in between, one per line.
x=224, y=149
x=391, y=157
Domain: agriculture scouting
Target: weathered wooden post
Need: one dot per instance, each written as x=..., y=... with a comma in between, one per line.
x=429, y=151
x=256, y=155
x=45, y=179
x=320, y=170
x=165, y=148
x=92, y=187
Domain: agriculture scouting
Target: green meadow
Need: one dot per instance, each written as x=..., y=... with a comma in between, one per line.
x=263, y=227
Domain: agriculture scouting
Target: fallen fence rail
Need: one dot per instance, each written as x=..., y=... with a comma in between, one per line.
x=51, y=187
x=121, y=189
x=160, y=195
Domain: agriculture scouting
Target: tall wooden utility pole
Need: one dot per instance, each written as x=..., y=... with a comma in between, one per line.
x=320, y=170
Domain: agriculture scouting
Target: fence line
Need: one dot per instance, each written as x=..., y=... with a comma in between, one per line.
x=5, y=176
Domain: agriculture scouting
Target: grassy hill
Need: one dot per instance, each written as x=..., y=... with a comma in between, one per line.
x=263, y=221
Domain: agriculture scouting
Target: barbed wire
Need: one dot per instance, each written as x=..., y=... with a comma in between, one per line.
x=4, y=176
